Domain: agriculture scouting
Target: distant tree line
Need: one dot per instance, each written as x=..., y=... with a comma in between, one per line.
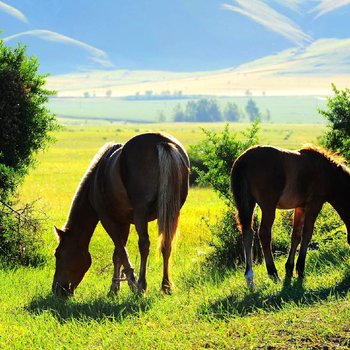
x=208, y=110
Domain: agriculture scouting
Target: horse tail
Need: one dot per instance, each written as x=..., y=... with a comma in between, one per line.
x=172, y=166
x=244, y=200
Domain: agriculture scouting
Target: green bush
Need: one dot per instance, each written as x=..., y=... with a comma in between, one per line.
x=25, y=126
x=215, y=156
x=337, y=137
x=20, y=237
x=217, y=153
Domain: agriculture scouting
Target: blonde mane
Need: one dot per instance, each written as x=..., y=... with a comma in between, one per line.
x=334, y=158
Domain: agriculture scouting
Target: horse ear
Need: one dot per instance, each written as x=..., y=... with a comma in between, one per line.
x=59, y=233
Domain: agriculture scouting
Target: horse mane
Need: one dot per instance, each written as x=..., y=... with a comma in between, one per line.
x=105, y=151
x=334, y=158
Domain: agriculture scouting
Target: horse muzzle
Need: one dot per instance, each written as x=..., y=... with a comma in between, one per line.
x=62, y=290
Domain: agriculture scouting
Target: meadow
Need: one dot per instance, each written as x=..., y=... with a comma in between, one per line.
x=207, y=309
x=282, y=109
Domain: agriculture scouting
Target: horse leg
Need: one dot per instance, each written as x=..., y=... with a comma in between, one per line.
x=245, y=215
x=268, y=217
x=310, y=218
x=118, y=262
x=141, y=225
x=166, y=251
x=298, y=223
x=119, y=234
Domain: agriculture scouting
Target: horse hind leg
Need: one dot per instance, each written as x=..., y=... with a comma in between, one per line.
x=166, y=247
x=245, y=217
x=141, y=225
x=268, y=217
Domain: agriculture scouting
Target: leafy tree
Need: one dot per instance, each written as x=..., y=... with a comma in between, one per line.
x=179, y=115
x=337, y=136
x=231, y=112
x=25, y=122
x=252, y=110
x=204, y=110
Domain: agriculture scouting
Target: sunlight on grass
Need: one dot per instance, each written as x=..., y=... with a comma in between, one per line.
x=208, y=308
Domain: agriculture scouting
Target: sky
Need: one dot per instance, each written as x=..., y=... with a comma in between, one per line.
x=180, y=35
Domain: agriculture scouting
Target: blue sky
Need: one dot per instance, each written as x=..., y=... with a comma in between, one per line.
x=183, y=35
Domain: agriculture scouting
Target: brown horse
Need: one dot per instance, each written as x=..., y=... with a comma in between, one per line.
x=145, y=179
x=276, y=178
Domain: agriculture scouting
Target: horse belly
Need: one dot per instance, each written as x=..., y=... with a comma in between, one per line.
x=290, y=198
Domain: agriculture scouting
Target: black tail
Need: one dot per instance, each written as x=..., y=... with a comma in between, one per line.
x=243, y=197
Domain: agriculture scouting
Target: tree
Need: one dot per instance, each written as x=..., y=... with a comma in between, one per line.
x=252, y=110
x=25, y=122
x=204, y=110
x=231, y=112
x=337, y=136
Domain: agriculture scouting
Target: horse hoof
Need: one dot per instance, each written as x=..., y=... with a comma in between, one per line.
x=275, y=278
x=166, y=289
x=141, y=287
x=113, y=290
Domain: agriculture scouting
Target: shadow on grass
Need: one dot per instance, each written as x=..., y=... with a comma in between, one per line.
x=293, y=291
x=98, y=309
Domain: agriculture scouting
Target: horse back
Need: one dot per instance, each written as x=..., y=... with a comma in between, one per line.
x=140, y=170
x=283, y=178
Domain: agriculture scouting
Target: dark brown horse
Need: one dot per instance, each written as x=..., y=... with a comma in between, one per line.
x=276, y=178
x=145, y=179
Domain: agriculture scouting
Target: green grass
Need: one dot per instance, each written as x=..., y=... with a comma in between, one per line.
x=207, y=310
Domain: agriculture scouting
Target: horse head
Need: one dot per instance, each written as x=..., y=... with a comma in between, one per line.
x=72, y=263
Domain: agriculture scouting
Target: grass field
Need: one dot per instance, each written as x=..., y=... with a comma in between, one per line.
x=283, y=109
x=206, y=310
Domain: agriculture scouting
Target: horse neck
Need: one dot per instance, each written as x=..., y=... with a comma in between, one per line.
x=82, y=218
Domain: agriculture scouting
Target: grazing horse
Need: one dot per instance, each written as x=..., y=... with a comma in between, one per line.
x=145, y=179
x=276, y=178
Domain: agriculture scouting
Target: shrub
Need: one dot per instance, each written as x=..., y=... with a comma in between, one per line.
x=20, y=237
x=217, y=153
x=25, y=126
x=337, y=137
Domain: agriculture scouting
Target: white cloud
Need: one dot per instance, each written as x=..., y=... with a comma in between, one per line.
x=96, y=55
x=322, y=57
x=13, y=12
x=326, y=6
x=265, y=15
x=291, y=4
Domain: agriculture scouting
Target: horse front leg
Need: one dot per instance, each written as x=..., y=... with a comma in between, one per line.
x=119, y=234
x=310, y=218
x=298, y=223
x=118, y=261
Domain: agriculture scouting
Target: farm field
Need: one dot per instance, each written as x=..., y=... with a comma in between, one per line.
x=282, y=109
x=206, y=310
